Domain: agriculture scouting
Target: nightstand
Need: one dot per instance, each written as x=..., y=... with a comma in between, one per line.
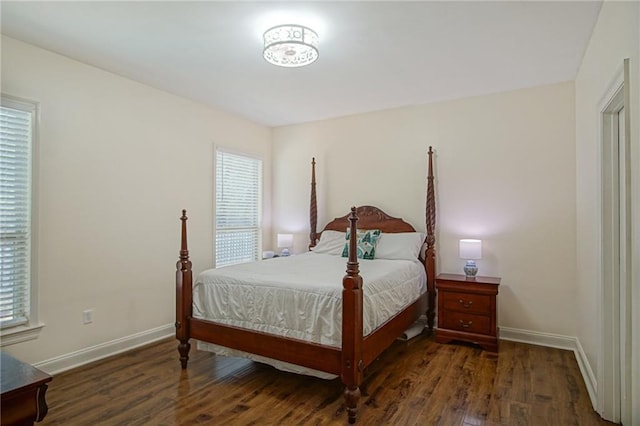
x=467, y=310
x=23, y=392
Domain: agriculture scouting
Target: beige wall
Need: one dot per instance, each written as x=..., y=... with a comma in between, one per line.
x=505, y=173
x=515, y=169
x=118, y=161
x=616, y=36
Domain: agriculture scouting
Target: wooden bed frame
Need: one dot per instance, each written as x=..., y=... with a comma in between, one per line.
x=357, y=351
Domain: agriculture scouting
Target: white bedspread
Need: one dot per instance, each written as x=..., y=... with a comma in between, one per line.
x=301, y=297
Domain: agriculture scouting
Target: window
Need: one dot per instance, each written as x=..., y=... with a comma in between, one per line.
x=238, y=213
x=17, y=287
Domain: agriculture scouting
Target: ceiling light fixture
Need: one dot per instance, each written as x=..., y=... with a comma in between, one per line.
x=290, y=45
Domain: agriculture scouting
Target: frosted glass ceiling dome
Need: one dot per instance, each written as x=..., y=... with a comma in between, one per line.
x=290, y=45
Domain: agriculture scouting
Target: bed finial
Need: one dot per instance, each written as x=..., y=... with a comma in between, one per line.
x=352, y=264
x=313, y=208
x=184, y=251
x=431, y=203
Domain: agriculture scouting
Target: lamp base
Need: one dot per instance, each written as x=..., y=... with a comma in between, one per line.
x=470, y=269
x=285, y=252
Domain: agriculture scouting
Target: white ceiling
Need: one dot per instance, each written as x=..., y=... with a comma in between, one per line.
x=373, y=55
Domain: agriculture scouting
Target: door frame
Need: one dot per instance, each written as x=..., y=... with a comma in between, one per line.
x=614, y=349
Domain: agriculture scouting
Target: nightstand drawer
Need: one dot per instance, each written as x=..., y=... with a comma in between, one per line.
x=469, y=323
x=466, y=302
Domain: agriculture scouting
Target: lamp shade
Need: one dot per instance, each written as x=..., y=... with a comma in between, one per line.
x=285, y=240
x=470, y=249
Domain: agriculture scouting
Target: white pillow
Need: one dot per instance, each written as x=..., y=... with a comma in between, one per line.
x=331, y=242
x=400, y=246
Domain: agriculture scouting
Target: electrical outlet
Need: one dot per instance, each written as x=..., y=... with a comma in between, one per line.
x=87, y=316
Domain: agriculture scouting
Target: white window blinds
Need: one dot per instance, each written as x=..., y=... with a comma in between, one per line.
x=16, y=136
x=238, y=201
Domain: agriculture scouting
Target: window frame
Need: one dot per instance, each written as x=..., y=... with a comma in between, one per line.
x=16, y=333
x=224, y=150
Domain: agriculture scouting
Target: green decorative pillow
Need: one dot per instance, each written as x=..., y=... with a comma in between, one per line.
x=367, y=240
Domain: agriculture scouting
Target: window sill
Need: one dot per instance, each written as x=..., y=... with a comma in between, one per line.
x=19, y=334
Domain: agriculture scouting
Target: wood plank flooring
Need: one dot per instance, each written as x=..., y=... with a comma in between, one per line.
x=418, y=382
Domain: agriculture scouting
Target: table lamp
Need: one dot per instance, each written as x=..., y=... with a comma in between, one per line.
x=470, y=250
x=284, y=242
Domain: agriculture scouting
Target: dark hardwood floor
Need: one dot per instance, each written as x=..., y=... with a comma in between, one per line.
x=413, y=383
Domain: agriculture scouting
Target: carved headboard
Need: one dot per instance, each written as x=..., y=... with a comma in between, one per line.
x=370, y=217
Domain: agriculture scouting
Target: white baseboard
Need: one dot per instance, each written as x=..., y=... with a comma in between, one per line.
x=587, y=374
x=103, y=350
x=94, y=353
x=560, y=342
x=537, y=338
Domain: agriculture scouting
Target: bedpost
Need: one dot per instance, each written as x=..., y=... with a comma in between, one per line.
x=313, y=208
x=352, y=364
x=183, y=295
x=430, y=255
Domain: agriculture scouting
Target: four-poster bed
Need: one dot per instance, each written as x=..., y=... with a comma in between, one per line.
x=355, y=349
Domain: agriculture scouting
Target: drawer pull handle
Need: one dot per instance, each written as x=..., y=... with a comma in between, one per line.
x=465, y=324
x=466, y=304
